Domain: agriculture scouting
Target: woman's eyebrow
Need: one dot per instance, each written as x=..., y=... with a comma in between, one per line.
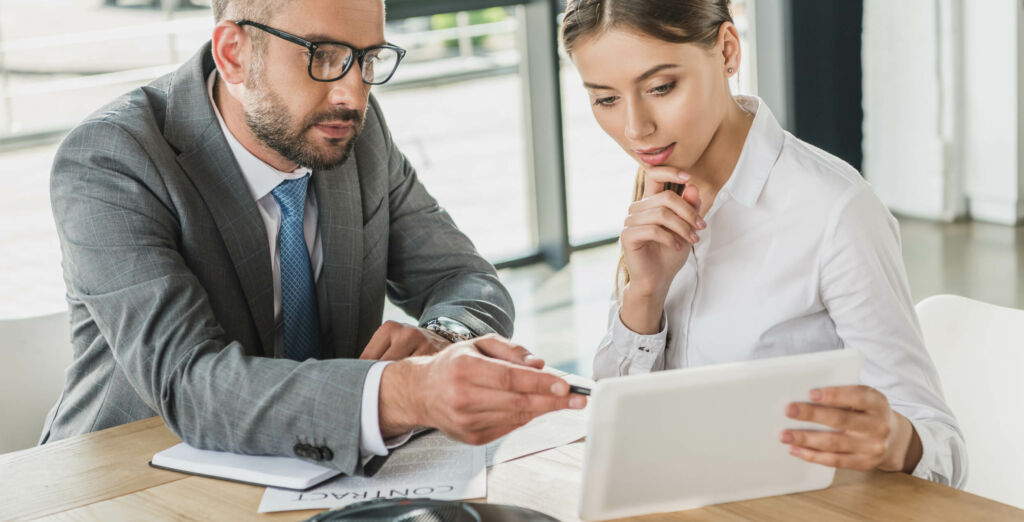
x=650, y=72
x=654, y=70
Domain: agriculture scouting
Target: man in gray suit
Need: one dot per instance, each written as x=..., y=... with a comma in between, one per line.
x=229, y=233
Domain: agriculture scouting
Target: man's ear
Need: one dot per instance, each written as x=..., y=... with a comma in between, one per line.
x=232, y=51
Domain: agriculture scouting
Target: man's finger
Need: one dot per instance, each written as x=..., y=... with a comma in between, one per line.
x=502, y=403
x=505, y=350
x=500, y=375
x=397, y=352
x=491, y=434
x=379, y=343
x=426, y=349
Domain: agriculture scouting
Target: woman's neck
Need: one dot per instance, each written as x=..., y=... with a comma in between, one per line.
x=714, y=168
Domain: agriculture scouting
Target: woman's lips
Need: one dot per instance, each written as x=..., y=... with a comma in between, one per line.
x=656, y=156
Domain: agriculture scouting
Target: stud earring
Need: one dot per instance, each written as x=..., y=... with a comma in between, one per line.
x=731, y=70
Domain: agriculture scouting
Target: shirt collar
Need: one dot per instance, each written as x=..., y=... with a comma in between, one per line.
x=260, y=177
x=761, y=152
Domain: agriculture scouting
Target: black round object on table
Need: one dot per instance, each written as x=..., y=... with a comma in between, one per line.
x=428, y=510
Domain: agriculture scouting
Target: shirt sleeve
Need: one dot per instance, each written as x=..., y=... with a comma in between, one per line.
x=371, y=442
x=625, y=352
x=863, y=285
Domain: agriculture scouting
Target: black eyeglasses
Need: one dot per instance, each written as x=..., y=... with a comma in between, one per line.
x=330, y=61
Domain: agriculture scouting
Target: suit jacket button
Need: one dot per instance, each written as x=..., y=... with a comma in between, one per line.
x=301, y=450
x=326, y=453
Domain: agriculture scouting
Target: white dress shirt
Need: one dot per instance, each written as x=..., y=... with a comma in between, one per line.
x=799, y=256
x=261, y=179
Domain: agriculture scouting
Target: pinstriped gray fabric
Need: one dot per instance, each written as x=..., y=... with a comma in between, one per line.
x=169, y=279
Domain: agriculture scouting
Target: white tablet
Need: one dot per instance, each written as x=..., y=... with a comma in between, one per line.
x=682, y=439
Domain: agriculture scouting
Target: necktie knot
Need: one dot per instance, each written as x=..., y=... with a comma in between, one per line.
x=291, y=195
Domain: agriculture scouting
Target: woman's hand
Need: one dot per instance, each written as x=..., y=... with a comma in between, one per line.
x=871, y=435
x=656, y=239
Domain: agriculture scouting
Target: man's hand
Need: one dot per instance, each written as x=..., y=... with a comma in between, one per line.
x=475, y=391
x=396, y=341
x=871, y=435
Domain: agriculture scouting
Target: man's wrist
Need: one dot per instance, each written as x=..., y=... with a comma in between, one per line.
x=398, y=407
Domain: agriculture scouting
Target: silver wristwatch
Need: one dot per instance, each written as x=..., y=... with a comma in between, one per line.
x=450, y=329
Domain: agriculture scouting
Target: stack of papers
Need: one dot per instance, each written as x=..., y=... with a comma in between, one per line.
x=283, y=472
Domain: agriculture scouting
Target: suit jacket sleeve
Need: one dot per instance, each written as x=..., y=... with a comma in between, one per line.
x=119, y=234
x=433, y=268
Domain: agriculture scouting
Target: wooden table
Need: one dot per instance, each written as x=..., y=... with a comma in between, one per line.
x=105, y=476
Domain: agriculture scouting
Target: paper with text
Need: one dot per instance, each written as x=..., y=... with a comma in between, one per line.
x=431, y=466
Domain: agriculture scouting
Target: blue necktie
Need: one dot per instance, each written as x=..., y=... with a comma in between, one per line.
x=298, y=291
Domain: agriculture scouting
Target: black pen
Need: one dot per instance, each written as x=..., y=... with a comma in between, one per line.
x=580, y=390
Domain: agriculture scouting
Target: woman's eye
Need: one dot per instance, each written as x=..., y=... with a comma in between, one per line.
x=662, y=90
x=605, y=102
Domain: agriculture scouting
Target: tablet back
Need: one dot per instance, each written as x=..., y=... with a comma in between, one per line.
x=682, y=439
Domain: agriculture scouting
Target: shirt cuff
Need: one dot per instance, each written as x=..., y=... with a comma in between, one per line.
x=371, y=442
x=927, y=467
x=637, y=350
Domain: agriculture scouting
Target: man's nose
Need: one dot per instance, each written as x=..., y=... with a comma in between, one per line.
x=349, y=91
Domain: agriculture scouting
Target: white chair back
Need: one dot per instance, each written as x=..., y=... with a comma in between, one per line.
x=34, y=352
x=978, y=349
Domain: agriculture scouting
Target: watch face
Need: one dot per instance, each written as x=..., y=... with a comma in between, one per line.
x=458, y=329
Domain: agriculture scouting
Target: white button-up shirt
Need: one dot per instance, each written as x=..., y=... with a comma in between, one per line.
x=261, y=179
x=799, y=256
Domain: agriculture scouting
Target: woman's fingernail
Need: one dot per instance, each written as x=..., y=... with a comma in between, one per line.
x=786, y=437
x=792, y=410
x=701, y=223
x=694, y=237
x=577, y=403
x=794, y=451
x=816, y=395
x=684, y=177
x=560, y=388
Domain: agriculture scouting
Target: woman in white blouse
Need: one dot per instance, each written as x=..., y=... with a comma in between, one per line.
x=773, y=248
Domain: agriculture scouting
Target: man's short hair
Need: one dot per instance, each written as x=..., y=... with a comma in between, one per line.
x=255, y=10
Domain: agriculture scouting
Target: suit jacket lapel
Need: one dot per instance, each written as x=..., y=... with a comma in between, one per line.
x=340, y=212
x=207, y=160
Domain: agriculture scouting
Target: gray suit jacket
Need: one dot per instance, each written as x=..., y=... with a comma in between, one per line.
x=169, y=280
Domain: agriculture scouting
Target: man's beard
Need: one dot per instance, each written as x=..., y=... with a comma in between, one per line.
x=270, y=122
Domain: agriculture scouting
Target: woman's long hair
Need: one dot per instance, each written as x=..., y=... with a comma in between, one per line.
x=676, y=21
